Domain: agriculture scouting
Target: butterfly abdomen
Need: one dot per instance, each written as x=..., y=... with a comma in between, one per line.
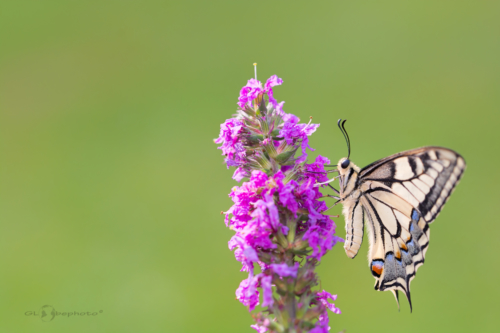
x=354, y=216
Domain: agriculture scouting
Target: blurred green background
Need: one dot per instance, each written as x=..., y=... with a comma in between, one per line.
x=111, y=186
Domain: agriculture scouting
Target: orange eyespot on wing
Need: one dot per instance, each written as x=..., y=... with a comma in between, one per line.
x=377, y=267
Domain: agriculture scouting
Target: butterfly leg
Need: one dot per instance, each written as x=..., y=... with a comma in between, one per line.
x=329, y=196
x=328, y=171
x=329, y=181
x=336, y=203
x=334, y=189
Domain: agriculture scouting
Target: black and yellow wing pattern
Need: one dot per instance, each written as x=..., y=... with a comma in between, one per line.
x=406, y=193
x=397, y=198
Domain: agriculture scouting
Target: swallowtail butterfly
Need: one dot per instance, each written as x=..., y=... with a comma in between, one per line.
x=397, y=198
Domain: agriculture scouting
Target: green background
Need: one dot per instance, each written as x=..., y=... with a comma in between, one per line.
x=111, y=186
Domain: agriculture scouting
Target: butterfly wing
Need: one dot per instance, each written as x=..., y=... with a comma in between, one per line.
x=425, y=177
x=402, y=195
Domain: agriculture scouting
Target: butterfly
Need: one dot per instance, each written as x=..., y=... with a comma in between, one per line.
x=396, y=198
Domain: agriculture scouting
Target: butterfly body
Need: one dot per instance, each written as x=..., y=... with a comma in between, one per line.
x=397, y=198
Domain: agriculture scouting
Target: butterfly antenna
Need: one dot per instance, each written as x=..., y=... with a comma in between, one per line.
x=341, y=123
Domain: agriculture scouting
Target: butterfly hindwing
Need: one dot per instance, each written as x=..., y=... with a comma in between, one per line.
x=398, y=243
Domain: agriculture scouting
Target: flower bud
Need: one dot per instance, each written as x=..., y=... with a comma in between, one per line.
x=284, y=157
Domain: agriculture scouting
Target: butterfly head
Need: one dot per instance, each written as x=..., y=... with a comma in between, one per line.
x=344, y=163
x=348, y=175
x=346, y=167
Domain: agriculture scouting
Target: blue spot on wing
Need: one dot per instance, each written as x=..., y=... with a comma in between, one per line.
x=414, y=215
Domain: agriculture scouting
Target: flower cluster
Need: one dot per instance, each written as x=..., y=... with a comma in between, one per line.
x=281, y=231
x=262, y=137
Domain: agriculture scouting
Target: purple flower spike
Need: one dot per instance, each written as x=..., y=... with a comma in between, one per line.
x=277, y=215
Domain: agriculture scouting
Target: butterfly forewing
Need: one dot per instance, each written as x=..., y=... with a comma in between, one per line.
x=424, y=177
x=400, y=196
